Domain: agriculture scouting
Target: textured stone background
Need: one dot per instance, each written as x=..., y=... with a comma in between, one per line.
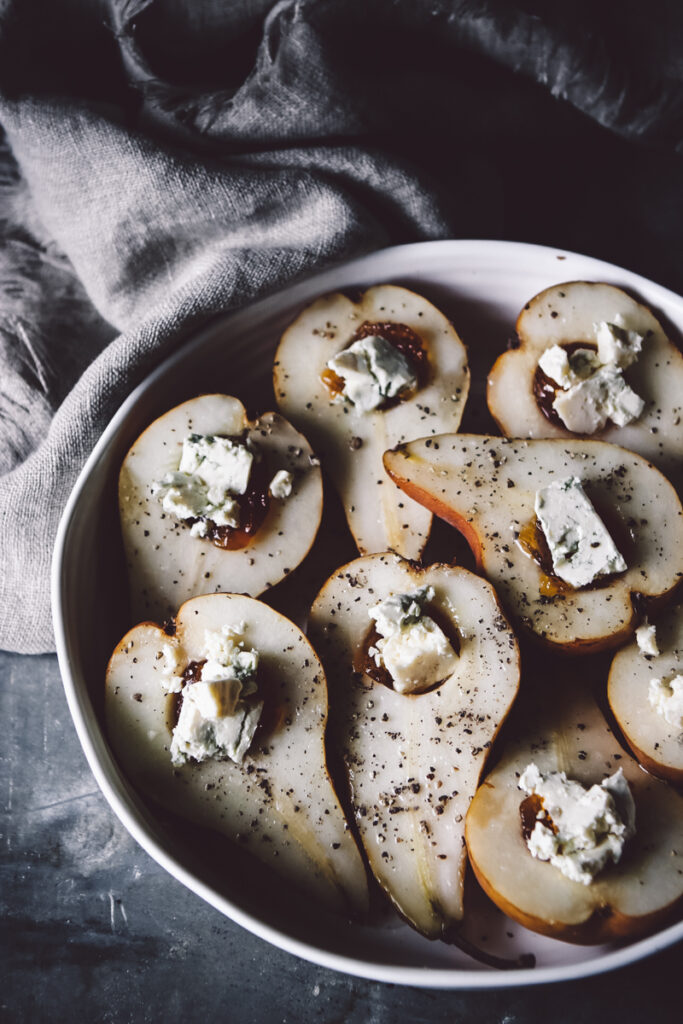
x=94, y=930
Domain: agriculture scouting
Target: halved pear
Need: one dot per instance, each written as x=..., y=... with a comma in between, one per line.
x=485, y=487
x=414, y=760
x=279, y=804
x=657, y=744
x=351, y=443
x=568, y=733
x=565, y=314
x=166, y=564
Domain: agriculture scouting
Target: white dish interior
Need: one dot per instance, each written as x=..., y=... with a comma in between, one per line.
x=481, y=286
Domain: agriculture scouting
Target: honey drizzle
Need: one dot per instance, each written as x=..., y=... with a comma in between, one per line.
x=533, y=543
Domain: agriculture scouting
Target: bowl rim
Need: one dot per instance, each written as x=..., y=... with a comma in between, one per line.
x=108, y=776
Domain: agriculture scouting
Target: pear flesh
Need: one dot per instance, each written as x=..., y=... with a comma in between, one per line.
x=624, y=900
x=167, y=565
x=414, y=760
x=349, y=442
x=567, y=314
x=486, y=488
x=657, y=744
x=279, y=803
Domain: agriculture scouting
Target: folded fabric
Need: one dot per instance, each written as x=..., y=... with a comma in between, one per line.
x=164, y=162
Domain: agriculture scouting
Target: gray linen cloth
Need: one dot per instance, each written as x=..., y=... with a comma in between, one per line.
x=164, y=161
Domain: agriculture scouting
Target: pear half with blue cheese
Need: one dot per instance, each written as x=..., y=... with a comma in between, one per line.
x=279, y=802
x=349, y=441
x=167, y=563
x=569, y=734
x=414, y=758
x=655, y=735
x=487, y=488
x=575, y=315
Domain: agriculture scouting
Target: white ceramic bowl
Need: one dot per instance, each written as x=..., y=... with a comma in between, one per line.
x=481, y=285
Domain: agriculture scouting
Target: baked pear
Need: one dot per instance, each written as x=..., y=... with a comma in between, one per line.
x=414, y=758
x=486, y=487
x=168, y=561
x=655, y=735
x=521, y=397
x=627, y=899
x=350, y=442
x=278, y=803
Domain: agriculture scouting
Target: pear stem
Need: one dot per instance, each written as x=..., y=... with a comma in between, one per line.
x=501, y=963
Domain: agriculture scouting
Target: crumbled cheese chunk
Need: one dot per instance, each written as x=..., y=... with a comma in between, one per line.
x=372, y=370
x=593, y=387
x=587, y=406
x=412, y=647
x=565, y=368
x=198, y=738
x=211, y=472
x=616, y=345
x=224, y=466
x=227, y=657
x=171, y=670
x=181, y=495
x=646, y=638
x=587, y=828
x=400, y=610
x=580, y=545
x=215, y=719
x=667, y=699
x=281, y=485
x=216, y=699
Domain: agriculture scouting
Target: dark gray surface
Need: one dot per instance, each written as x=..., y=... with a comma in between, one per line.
x=94, y=930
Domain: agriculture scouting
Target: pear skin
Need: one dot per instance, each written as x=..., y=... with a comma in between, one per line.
x=414, y=760
x=565, y=314
x=166, y=564
x=350, y=443
x=486, y=486
x=656, y=744
x=625, y=900
x=279, y=803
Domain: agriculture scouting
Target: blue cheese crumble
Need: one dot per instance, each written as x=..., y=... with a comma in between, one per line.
x=579, y=830
x=568, y=369
x=580, y=545
x=593, y=389
x=646, y=638
x=666, y=698
x=172, y=669
x=213, y=471
x=411, y=646
x=372, y=370
x=280, y=486
x=218, y=714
